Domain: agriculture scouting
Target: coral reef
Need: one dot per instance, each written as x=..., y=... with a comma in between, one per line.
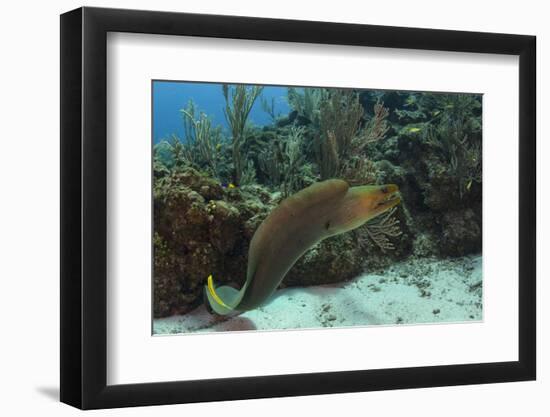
x=202, y=228
x=213, y=188
x=434, y=153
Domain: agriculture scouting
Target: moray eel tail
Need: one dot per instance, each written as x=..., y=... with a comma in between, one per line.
x=223, y=299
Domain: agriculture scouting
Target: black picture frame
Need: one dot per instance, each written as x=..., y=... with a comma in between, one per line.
x=84, y=207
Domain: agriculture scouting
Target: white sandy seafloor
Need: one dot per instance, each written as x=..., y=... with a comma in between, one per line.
x=410, y=292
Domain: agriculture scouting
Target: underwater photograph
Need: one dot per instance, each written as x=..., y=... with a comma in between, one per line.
x=285, y=207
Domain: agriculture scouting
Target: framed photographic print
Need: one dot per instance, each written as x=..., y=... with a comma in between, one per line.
x=259, y=207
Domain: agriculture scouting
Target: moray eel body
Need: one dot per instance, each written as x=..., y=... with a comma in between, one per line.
x=315, y=213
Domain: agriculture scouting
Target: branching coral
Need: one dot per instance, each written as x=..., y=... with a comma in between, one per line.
x=269, y=108
x=456, y=134
x=308, y=104
x=177, y=152
x=200, y=148
x=382, y=228
x=375, y=129
x=342, y=141
x=284, y=161
x=340, y=120
x=203, y=142
x=248, y=174
x=360, y=170
x=239, y=100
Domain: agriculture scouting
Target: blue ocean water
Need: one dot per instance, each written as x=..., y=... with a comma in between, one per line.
x=171, y=96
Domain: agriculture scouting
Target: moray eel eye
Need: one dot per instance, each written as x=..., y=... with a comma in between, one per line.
x=389, y=196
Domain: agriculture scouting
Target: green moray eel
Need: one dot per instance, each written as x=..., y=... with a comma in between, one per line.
x=317, y=212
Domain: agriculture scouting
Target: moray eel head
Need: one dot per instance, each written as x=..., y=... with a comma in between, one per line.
x=360, y=205
x=378, y=199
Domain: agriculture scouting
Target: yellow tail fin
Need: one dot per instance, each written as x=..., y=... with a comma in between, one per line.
x=213, y=293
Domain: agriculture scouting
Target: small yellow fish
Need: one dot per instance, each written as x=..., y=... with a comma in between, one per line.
x=414, y=129
x=231, y=185
x=469, y=185
x=218, y=146
x=435, y=113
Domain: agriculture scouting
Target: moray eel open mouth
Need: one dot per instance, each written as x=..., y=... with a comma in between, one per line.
x=390, y=197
